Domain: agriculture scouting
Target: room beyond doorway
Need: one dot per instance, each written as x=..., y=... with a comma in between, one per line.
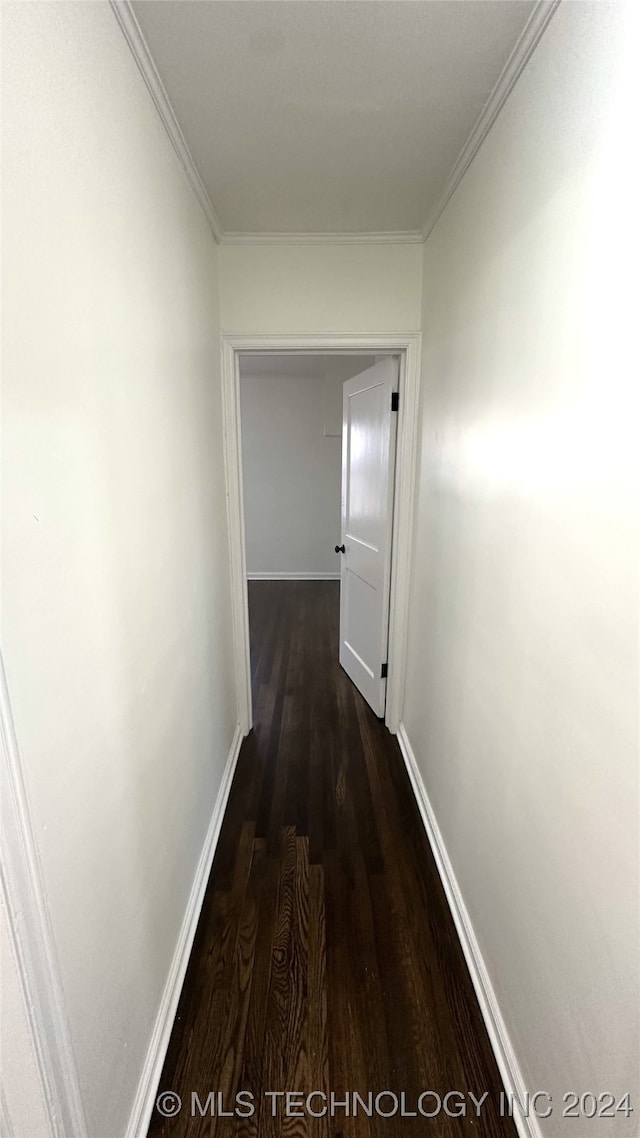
x=319, y=437
x=291, y=410
x=407, y=348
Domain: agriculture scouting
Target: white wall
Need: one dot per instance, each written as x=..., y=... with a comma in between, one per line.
x=320, y=288
x=292, y=469
x=522, y=693
x=115, y=589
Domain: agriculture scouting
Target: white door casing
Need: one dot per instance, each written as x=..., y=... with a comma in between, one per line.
x=368, y=459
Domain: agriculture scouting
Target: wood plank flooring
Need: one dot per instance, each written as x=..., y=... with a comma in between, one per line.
x=325, y=958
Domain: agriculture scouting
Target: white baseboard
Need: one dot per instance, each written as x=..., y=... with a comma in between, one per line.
x=147, y=1087
x=498, y=1035
x=302, y=576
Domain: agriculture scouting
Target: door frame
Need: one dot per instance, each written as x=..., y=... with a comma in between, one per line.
x=407, y=347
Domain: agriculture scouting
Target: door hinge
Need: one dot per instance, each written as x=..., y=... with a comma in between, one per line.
x=395, y=400
x=383, y=671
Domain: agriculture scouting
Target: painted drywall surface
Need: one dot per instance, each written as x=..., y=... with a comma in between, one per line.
x=522, y=691
x=291, y=477
x=320, y=288
x=292, y=469
x=115, y=589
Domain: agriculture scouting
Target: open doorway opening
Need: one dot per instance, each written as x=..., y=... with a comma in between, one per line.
x=289, y=527
x=318, y=446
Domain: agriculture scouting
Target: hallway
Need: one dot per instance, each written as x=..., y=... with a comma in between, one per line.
x=325, y=958
x=199, y=201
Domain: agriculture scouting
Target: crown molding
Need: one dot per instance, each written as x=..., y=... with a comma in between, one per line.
x=133, y=34
x=400, y=237
x=517, y=61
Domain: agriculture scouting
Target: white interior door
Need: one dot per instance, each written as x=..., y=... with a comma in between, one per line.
x=368, y=455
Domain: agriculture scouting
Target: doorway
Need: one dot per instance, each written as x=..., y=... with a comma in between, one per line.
x=406, y=348
x=318, y=449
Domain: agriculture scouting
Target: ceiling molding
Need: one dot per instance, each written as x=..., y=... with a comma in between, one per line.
x=509, y=76
x=401, y=237
x=132, y=32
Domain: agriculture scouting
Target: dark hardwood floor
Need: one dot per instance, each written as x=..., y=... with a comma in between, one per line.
x=326, y=958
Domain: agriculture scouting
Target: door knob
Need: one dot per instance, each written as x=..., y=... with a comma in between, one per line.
x=340, y=549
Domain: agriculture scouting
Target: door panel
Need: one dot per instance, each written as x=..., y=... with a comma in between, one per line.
x=368, y=454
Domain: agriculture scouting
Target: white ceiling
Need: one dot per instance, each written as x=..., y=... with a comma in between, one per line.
x=328, y=116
